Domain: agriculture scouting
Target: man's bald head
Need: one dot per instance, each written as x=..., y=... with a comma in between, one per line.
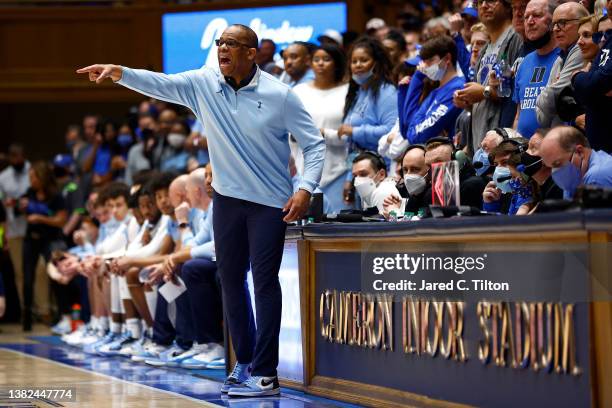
x=560, y=144
x=178, y=190
x=196, y=188
x=414, y=162
x=568, y=15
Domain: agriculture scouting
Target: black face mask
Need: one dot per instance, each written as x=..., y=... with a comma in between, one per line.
x=538, y=43
x=18, y=167
x=532, y=164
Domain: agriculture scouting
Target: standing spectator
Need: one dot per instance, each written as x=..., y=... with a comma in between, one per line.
x=395, y=44
x=370, y=110
x=592, y=88
x=46, y=215
x=324, y=99
x=588, y=26
x=478, y=41
x=265, y=55
x=469, y=15
x=297, y=64
x=532, y=75
x=436, y=114
x=331, y=37
x=482, y=95
x=518, y=17
x=565, y=29
x=14, y=182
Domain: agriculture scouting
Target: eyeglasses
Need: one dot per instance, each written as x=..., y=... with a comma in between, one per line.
x=563, y=23
x=599, y=35
x=230, y=43
x=489, y=2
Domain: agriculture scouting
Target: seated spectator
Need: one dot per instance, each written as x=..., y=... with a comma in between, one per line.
x=175, y=159
x=492, y=139
x=538, y=172
x=533, y=73
x=509, y=192
x=140, y=154
x=567, y=151
x=436, y=115
x=413, y=186
x=565, y=25
x=371, y=182
x=593, y=88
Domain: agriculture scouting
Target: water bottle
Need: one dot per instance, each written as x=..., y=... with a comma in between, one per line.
x=504, y=73
x=76, y=316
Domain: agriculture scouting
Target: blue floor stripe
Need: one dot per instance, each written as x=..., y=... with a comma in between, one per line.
x=199, y=384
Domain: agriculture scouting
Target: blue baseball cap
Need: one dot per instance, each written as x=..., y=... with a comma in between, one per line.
x=470, y=10
x=414, y=61
x=62, y=160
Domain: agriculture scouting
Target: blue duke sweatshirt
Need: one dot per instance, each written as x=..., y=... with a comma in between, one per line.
x=247, y=130
x=435, y=116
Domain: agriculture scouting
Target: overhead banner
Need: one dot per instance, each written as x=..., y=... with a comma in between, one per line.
x=189, y=38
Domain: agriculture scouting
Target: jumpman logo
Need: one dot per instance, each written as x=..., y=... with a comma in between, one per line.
x=258, y=104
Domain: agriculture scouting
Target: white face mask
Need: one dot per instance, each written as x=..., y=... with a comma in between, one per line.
x=176, y=140
x=365, y=186
x=434, y=71
x=414, y=183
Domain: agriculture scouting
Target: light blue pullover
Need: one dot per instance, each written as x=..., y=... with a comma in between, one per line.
x=247, y=130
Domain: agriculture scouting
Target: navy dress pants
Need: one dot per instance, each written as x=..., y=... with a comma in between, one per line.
x=249, y=233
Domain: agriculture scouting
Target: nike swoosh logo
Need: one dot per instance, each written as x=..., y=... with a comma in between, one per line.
x=266, y=384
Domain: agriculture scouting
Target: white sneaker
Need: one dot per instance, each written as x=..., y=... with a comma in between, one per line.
x=89, y=338
x=75, y=338
x=64, y=326
x=213, y=352
x=80, y=331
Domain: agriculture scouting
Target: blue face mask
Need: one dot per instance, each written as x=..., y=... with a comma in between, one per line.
x=363, y=78
x=567, y=177
x=124, y=139
x=504, y=174
x=481, y=157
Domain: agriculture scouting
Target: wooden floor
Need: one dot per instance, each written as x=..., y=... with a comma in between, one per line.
x=92, y=389
x=39, y=360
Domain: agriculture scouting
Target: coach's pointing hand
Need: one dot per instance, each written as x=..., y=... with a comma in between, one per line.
x=99, y=72
x=297, y=206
